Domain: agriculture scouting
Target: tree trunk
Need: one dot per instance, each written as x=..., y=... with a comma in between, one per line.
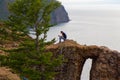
x=37, y=43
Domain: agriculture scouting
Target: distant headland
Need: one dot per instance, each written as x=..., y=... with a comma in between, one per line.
x=58, y=16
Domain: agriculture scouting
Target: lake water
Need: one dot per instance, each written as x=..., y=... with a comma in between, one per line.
x=91, y=27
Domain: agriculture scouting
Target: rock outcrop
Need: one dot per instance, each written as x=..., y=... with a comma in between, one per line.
x=3, y=9
x=58, y=16
x=105, y=62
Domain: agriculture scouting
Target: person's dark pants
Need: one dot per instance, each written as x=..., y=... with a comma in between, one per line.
x=61, y=38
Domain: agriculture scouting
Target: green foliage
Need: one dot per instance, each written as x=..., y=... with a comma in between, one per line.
x=31, y=64
x=32, y=13
x=4, y=32
x=30, y=59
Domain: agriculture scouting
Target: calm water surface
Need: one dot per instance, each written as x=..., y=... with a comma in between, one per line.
x=91, y=27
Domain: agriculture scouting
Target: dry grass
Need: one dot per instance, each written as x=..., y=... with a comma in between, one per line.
x=6, y=74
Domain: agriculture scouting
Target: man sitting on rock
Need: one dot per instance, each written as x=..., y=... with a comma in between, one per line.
x=62, y=36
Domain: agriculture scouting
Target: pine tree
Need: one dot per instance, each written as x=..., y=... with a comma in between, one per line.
x=30, y=59
x=32, y=13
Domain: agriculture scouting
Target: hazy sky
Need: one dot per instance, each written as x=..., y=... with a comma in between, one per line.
x=92, y=1
x=101, y=4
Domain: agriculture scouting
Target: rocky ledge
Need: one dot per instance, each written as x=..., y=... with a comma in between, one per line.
x=105, y=62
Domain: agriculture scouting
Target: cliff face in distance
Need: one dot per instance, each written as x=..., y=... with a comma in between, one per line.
x=3, y=9
x=105, y=62
x=58, y=16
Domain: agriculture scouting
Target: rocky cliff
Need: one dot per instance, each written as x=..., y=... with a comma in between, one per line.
x=105, y=62
x=3, y=9
x=58, y=16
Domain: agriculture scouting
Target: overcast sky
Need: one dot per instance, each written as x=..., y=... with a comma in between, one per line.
x=103, y=4
x=92, y=1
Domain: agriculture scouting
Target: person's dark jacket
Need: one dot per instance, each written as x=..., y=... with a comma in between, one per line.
x=64, y=35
